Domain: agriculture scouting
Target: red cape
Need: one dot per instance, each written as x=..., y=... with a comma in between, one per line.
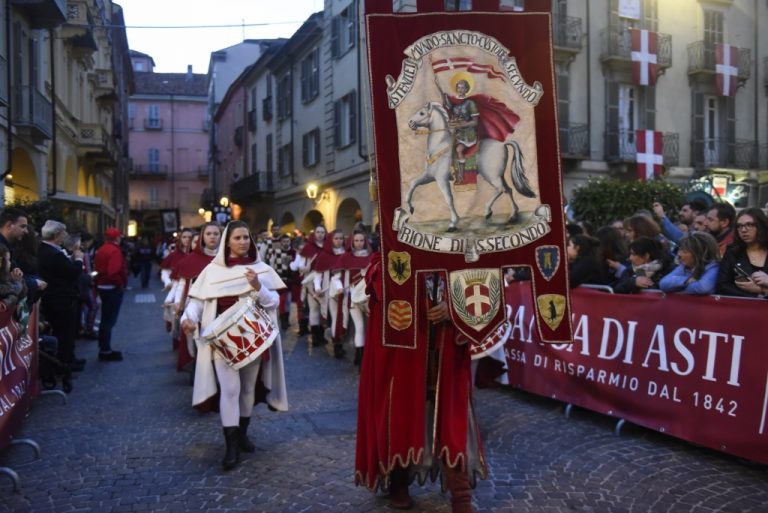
x=392, y=412
x=326, y=259
x=496, y=120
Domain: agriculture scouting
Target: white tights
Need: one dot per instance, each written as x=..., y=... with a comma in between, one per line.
x=237, y=390
x=358, y=319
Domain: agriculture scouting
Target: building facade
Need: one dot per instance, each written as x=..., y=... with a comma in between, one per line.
x=168, y=147
x=63, y=121
x=313, y=126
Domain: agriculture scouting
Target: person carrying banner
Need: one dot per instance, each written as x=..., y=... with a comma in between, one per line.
x=409, y=388
x=235, y=276
x=354, y=262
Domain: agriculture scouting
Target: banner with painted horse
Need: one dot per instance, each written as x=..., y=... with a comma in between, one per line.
x=467, y=161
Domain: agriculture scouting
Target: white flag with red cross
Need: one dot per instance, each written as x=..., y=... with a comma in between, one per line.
x=644, y=56
x=726, y=69
x=650, y=154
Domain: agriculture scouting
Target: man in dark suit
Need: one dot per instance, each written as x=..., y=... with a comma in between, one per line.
x=61, y=298
x=13, y=226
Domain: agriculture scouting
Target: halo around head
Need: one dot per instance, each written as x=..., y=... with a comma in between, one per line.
x=462, y=75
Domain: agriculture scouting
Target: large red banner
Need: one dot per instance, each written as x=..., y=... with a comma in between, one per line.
x=691, y=367
x=17, y=355
x=468, y=175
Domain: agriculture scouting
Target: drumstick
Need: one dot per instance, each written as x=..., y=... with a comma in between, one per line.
x=239, y=277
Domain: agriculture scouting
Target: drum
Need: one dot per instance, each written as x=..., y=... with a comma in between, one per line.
x=241, y=333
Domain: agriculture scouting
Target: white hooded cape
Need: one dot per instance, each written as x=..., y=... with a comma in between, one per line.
x=216, y=281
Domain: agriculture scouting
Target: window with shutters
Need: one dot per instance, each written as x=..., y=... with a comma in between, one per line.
x=254, y=163
x=713, y=35
x=266, y=103
x=711, y=124
x=628, y=108
x=131, y=114
x=285, y=160
x=343, y=31
x=284, y=97
x=310, y=76
x=153, y=116
x=153, y=160
x=270, y=160
x=345, y=121
x=310, y=148
x=253, y=121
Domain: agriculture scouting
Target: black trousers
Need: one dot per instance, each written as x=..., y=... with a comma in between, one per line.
x=62, y=314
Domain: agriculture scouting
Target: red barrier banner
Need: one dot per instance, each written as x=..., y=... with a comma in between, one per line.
x=692, y=367
x=17, y=354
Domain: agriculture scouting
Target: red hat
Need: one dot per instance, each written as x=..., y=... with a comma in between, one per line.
x=112, y=233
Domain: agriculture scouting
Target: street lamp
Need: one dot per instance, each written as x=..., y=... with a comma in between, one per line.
x=223, y=212
x=312, y=190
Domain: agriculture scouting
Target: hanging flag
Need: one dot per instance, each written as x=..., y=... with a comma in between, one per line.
x=650, y=154
x=457, y=63
x=644, y=56
x=726, y=69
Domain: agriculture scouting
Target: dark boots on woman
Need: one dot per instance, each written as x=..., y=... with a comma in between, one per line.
x=318, y=338
x=245, y=444
x=284, y=324
x=399, y=497
x=232, y=454
x=303, y=327
x=457, y=483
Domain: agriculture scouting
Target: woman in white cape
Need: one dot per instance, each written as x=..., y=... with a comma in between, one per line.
x=235, y=274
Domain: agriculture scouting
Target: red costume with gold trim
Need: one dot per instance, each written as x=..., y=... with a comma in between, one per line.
x=394, y=408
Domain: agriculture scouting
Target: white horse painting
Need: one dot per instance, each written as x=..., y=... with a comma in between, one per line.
x=491, y=158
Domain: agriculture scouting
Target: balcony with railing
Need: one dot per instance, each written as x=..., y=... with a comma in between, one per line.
x=252, y=186
x=3, y=81
x=567, y=33
x=574, y=141
x=621, y=146
x=104, y=84
x=701, y=60
x=43, y=14
x=762, y=162
x=616, y=48
x=33, y=113
x=151, y=170
x=153, y=124
x=79, y=29
x=719, y=152
x=94, y=142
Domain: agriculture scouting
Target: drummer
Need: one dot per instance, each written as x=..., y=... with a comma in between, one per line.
x=235, y=274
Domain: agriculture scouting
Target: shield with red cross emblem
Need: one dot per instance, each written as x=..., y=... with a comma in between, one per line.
x=475, y=296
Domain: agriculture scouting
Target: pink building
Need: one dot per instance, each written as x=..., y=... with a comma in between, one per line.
x=168, y=147
x=231, y=135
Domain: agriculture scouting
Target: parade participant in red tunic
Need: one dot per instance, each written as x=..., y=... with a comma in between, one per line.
x=354, y=262
x=234, y=276
x=311, y=281
x=415, y=414
x=296, y=287
x=188, y=270
x=329, y=264
x=182, y=246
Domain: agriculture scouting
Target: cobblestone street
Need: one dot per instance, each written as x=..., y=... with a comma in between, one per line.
x=128, y=440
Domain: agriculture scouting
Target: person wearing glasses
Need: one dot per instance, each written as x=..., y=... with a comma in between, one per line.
x=744, y=268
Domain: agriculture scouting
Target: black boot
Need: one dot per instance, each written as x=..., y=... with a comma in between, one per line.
x=303, y=327
x=245, y=444
x=284, y=321
x=338, y=350
x=317, y=336
x=232, y=456
x=358, y=356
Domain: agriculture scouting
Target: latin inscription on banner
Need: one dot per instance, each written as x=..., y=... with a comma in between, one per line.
x=468, y=158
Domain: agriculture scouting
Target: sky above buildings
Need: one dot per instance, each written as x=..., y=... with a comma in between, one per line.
x=174, y=48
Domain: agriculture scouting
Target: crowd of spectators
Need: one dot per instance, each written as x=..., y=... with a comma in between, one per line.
x=708, y=249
